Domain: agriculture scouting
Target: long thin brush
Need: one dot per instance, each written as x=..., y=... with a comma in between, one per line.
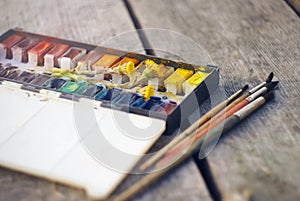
x=248, y=93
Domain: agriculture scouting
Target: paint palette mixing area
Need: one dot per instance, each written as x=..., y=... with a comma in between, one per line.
x=43, y=81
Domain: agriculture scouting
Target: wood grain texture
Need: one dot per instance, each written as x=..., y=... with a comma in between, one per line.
x=181, y=183
x=258, y=160
x=18, y=186
x=96, y=22
x=91, y=21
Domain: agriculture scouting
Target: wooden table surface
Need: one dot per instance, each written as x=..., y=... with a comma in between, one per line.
x=259, y=160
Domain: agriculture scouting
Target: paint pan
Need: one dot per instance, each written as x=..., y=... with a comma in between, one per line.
x=167, y=107
x=126, y=98
x=7, y=44
x=51, y=58
x=138, y=101
x=19, y=51
x=88, y=60
x=152, y=104
x=37, y=53
x=189, y=85
x=174, y=82
x=111, y=94
x=54, y=83
x=74, y=87
x=13, y=74
x=105, y=62
x=126, y=60
x=7, y=72
x=25, y=77
x=92, y=90
x=39, y=80
x=70, y=58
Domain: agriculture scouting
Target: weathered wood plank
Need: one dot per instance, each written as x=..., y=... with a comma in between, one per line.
x=181, y=183
x=247, y=40
x=90, y=21
x=18, y=186
x=95, y=22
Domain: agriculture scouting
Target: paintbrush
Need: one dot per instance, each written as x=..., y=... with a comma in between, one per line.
x=215, y=121
x=248, y=93
x=193, y=127
x=219, y=111
x=229, y=123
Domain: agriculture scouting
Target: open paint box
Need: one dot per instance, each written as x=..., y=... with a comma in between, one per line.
x=55, y=93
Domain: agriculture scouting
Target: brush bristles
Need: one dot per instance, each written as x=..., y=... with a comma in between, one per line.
x=271, y=85
x=245, y=87
x=270, y=77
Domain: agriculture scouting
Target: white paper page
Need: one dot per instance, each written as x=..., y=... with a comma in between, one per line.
x=17, y=108
x=61, y=140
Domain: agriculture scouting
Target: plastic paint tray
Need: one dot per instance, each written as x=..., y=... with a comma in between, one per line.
x=173, y=120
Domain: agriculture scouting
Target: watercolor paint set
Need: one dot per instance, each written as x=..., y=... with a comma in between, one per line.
x=43, y=79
